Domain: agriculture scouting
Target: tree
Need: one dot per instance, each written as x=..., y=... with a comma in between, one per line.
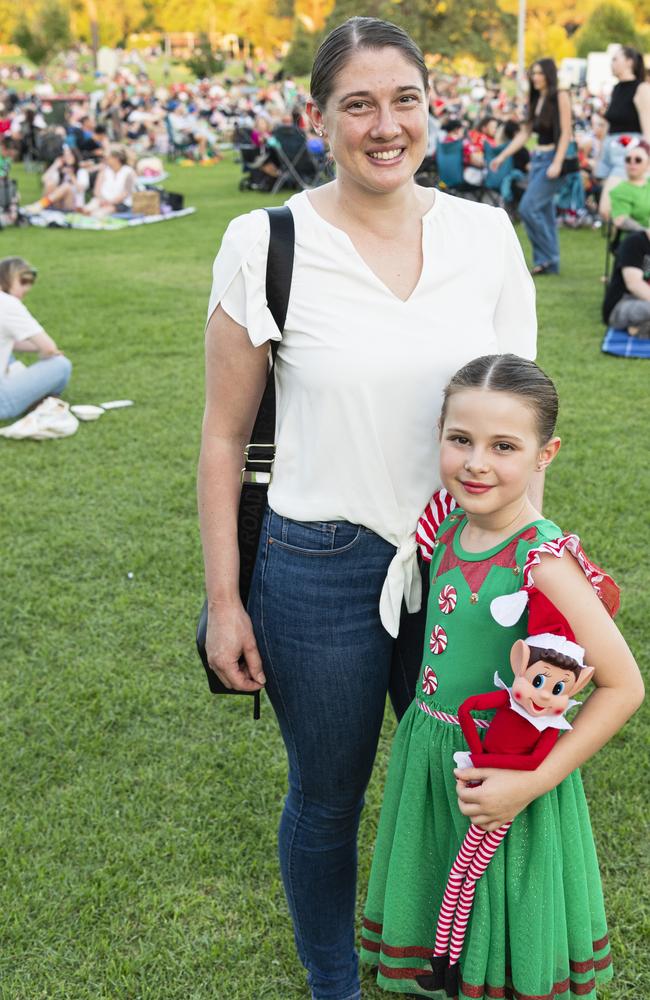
x=204, y=62
x=301, y=54
x=446, y=28
x=609, y=22
x=44, y=33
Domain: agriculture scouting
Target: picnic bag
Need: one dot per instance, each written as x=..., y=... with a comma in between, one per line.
x=146, y=203
x=258, y=455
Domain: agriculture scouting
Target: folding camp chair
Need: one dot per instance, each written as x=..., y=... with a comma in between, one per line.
x=297, y=166
x=449, y=160
x=451, y=174
x=613, y=237
x=175, y=145
x=495, y=180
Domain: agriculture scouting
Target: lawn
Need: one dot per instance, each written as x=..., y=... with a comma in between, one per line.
x=138, y=814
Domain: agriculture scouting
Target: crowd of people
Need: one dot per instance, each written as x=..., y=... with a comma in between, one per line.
x=590, y=163
x=198, y=120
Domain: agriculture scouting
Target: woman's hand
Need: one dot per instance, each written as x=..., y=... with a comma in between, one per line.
x=498, y=799
x=496, y=163
x=231, y=648
x=554, y=170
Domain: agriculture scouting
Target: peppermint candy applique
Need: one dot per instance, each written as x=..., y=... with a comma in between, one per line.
x=438, y=640
x=429, y=681
x=447, y=599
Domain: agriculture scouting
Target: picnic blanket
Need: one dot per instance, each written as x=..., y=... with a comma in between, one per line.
x=75, y=220
x=619, y=342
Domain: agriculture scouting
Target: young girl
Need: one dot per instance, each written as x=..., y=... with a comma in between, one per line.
x=537, y=927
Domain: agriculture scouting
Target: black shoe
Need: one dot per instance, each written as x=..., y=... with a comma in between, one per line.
x=439, y=968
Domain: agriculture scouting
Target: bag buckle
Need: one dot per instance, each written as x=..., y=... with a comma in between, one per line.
x=256, y=476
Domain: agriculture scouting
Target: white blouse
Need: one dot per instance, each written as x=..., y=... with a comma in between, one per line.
x=360, y=373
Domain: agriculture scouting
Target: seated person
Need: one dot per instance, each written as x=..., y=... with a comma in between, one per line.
x=22, y=386
x=485, y=133
x=65, y=183
x=114, y=185
x=627, y=299
x=473, y=156
x=630, y=200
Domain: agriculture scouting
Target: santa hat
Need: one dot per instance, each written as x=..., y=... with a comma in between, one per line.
x=547, y=627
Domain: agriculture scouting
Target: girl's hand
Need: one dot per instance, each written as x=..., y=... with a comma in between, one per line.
x=498, y=799
x=496, y=163
x=554, y=171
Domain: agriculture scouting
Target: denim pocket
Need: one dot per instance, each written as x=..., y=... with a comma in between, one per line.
x=312, y=538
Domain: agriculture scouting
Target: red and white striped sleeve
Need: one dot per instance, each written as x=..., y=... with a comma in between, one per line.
x=440, y=504
x=606, y=588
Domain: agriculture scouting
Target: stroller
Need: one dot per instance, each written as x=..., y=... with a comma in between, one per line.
x=247, y=154
x=8, y=201
x=291, y=161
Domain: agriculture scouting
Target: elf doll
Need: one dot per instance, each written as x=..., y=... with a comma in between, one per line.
x=549, y=668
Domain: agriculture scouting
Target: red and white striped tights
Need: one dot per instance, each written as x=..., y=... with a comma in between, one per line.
x=476, y=852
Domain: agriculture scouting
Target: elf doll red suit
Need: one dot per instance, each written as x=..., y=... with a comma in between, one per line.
x=549, y=668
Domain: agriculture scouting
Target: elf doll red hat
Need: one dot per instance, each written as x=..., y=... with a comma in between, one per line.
x=547, y=627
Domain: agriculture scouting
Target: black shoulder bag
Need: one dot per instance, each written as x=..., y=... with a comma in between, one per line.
x=259, y=454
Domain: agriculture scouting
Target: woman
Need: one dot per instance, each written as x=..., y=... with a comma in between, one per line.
x=630, y=200
x=549, y=117
x=114, y=185
x=20, y=386
x=378, y=320
x=65, y=183
x=628, y=119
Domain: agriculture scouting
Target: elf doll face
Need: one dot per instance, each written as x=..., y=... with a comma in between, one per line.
x=542, y=688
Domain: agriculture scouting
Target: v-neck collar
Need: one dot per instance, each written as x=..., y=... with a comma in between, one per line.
x=341, y=234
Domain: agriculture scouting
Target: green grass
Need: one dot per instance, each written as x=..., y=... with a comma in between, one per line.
x=138, y=814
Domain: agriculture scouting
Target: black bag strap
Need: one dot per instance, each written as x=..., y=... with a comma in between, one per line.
x=279, y=271
x=252, y=502
x=279, y=265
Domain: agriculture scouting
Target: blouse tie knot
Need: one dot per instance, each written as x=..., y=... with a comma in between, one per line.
x=403, y=581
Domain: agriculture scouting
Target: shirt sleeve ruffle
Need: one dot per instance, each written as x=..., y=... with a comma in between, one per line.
x=604, y=586
x=440, y=504
x=242, y=257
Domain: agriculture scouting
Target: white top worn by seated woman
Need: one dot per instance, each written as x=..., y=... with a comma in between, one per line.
x=117, y=185
x=360, y=373
x=16, y=324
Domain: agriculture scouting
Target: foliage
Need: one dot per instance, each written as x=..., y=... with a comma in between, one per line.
x=204, y=62
x=609, y=22
x=45, y=32
x=444, y=28
x=114, y=20
x=301, y=54
x=138, y=815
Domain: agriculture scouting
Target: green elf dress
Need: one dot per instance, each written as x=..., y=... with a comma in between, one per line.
x=537, y=929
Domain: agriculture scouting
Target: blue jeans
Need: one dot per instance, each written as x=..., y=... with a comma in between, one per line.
x=21, y=389
x=537, y=211
x=328, y=660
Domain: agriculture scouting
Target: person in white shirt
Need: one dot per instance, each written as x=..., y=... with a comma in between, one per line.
x=114, y=184
x=65, y=183
x=395, y=287
x=22, y=386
